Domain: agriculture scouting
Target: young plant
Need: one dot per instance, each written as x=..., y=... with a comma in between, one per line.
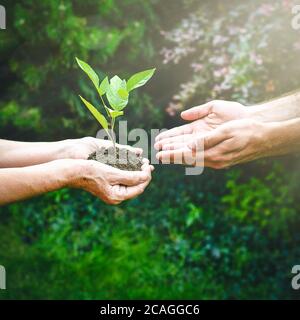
x=117, y=93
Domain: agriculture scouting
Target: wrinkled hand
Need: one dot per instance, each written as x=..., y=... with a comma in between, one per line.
x=82, y=148
x=112, y=185
x=204, y=119
x=232, y=143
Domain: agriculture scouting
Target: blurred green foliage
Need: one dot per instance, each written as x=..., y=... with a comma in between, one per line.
x=221, y=235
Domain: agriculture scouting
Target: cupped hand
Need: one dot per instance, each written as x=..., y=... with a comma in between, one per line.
x=204, y=118
x=112, y=185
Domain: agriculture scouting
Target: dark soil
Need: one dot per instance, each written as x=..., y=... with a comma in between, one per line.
x=120, y=158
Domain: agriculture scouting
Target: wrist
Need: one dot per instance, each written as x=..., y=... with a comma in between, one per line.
x=274, y=139
x=62, y=149
x=258, y=113
x=70, y=172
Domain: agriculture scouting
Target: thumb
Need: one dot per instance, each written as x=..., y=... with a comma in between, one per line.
x=132, y=178
x=196, y=113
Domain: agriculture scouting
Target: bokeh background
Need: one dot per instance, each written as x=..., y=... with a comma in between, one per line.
x=232, y=234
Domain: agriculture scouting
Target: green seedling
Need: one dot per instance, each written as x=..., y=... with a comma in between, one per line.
x=117, y=93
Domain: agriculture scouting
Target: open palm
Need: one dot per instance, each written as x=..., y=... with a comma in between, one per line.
x=204, y=119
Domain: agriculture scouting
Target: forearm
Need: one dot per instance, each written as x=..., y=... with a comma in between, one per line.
x=22, y=183
x=281, y=109
x=20, y=154
x=283, y=137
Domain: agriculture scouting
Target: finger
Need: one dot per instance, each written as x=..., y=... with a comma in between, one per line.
x=185, y=129
x=173, y=156
x=147, y=169
x=180, y=138
x=137, y=151
x=146, y=165
x=204, y=142
x=129, y=192
x=173, y=146
x=197, y=112
x=126, y=193
x=130, y=178
x=146, y=161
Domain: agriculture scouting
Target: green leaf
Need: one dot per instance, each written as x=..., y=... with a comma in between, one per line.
x=123, y=93
x=116, y=100
x=139, y=79
x=117, y=83
x=103, y=86
x=115, y=114
x=90, y=72
x=100, y=118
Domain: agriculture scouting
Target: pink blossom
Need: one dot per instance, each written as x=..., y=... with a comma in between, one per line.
x=197, y=67
x=256, y=58
x=266, y=9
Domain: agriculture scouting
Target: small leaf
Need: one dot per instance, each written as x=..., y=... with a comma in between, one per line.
x=117, y=101
x=101, y=119
x=123, y=93
x=116, y=84
x=90, y=72
x=103, y=86
x=139, y=79
x=115, y=114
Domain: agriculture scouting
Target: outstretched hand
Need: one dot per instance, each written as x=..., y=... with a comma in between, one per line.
x=203, y=119
x=229, y=144
x=221, y=133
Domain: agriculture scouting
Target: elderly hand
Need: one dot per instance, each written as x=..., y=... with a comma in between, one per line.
x=111, y=185
x=82, y=148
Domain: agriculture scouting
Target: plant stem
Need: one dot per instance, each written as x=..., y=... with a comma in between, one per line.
x=112, y=131
x=104, y=105
x=111, y=134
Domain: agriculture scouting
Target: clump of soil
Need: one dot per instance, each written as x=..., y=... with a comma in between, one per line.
x=120, y=158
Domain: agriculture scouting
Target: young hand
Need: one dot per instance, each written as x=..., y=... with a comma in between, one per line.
x=204, y=119
x=234, y=142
